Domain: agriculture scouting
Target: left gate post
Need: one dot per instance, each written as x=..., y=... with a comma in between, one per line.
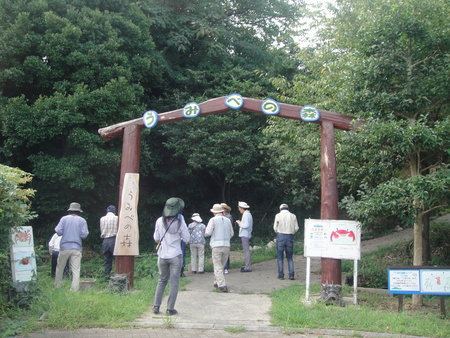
x=131, y=154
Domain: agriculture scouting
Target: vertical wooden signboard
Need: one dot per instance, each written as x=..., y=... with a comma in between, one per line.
x=23, y=259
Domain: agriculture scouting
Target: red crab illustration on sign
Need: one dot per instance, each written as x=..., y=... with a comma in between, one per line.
x=23, y=236
x=342, y=233
x=25, y=261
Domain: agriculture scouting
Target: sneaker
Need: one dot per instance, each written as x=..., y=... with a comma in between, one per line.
x=182, y=274
x=225, y=271
x=200, y=272
x=171, y=312
x=156, y=310
x=216, y=286
x=223, y=289
x=194, y=271
x=280, y=277
x=291, y=277
x=245, y=270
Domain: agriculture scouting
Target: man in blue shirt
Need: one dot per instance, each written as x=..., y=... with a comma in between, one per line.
x=73, y=229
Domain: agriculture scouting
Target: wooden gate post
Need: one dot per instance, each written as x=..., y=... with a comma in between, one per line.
x=331, y=268
x=131, y=154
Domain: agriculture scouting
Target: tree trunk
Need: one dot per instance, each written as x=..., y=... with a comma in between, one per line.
x=426, y=254
x=414, y=166
x=417, y=300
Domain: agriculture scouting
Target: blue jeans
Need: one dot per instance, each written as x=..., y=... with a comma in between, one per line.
x=169, y=269
x=285, y=243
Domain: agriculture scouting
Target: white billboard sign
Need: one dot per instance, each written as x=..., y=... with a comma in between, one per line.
x=332, y=239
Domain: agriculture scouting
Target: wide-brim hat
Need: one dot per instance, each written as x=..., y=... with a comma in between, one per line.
x=75, y=207
x=217, y=208
x=173, y=207
x=196, y=217
x=243, y=205
x=225, y=206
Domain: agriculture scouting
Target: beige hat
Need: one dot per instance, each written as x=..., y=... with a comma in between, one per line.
x=217, y=209
x=225, y=206
x=75, y=207
x=196, y=217
x=243, y=205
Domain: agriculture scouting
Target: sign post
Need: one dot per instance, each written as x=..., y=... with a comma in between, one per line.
x=332, y=239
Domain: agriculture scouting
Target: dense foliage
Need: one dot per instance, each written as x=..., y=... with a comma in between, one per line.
x=14, y=212
x=69, y=68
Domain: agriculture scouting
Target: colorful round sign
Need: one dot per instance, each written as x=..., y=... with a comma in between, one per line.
x=150, y=118
x=270, y=107
x=191, y=109
x=234, y=101
x=309, y=113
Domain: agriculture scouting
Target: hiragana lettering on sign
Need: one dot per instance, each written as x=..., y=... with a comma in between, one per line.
x=309, y=113
x=234, y=101
x=191, y=109
x=270, y=107
x=150, y=118
x=127, y=239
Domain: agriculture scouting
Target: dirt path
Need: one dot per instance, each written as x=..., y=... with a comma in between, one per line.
x=263, y=279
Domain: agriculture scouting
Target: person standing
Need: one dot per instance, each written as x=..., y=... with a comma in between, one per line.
x=226, y=213
x=170, y=230
x=108, y=231
x=220, y=229
x=73, y=229
x=285, y=226
x=245, y=233
x=197, y=243
x=53, y=249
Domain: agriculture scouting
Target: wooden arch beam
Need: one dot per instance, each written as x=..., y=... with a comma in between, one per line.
x=131, y=130
x=217, y=106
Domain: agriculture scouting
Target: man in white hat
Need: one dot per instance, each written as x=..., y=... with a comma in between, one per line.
x=220, y=229
x=285, y=226
x=245, y=233
x=73, y=229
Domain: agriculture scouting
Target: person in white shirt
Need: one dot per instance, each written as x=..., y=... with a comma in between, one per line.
x=220, y=229
x=53, y=249
x=170, y=230
x=245, y=233
x=108, y=231
x=285, y=226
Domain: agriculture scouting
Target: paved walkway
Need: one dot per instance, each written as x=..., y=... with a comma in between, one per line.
x=243, y=312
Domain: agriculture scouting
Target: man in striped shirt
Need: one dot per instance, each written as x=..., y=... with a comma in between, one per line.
x=108, y=231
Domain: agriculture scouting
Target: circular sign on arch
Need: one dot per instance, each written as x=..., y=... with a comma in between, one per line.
x=270, y=107
x=190, y=110
x=150, y=118
x=234, y=101
x=309, y=113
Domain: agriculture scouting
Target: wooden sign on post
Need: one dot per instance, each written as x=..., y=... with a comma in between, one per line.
x=127, y=239
x=23, y=259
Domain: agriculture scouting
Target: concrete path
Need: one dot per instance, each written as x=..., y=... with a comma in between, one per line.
x=204, y=312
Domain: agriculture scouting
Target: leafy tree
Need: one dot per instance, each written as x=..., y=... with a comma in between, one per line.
x=387, y=62
x=69, y=68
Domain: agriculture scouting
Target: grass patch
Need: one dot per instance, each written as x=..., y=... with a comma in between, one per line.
x=235, y=329
x=67, y=310
x=375, y=313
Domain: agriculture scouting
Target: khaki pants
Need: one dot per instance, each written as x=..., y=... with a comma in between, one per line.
x=219, y=257
x=75, y=265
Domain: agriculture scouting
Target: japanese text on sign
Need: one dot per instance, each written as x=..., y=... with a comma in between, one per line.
x=127, y=239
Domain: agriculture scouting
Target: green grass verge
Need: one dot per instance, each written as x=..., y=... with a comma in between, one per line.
x=63, y=309
x=374, y=313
